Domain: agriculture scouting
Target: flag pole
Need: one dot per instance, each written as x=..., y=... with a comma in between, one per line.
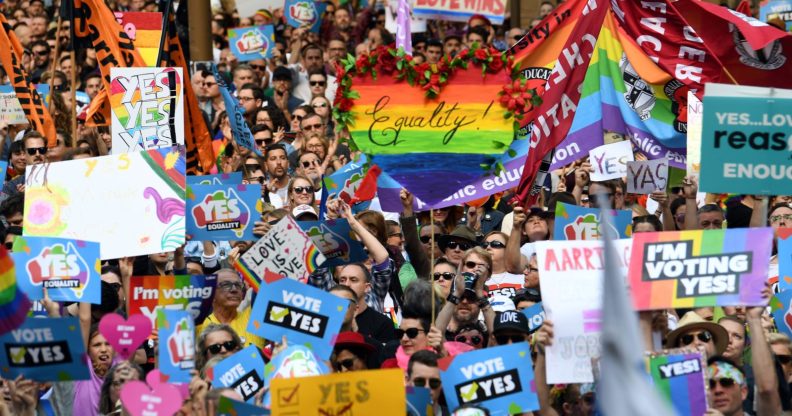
x=55, y=62
x=165, y=23
x=431, y=262
x=74, y=97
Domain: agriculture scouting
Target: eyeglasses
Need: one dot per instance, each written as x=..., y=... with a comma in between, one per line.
x=312, y=127
x=427, y=238
x=302, y=189
x=263, y=142
x=318, y=83
x=473, y=340
x=41, y=53
x=208, y=84
x=258, y=67
x=453, y=245
x=297, y=117
x=33, y=150
x=348, y=363
x=779, y=218
x=703, y=336
x=245, y=99
x=216, y=348
x=444, y=276
x=314, y=162
x=493, y=244
x=252, y=166
x=784, y=359
x=320, y=105
x=506, y=339
x=229, y=286
x=474, y=265
x=422, y=382
x=410, y=332
x=724, y=382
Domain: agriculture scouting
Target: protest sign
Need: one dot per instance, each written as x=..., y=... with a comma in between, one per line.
x=576, y=314
x=176, y=334
x=233, y=178
x=679, y=376
x=125, y=335
x=690, y=269
x=243, y=371
x=191, y=293
x=44, y=349
x=357, y=392
x=497, y=378
x=286, y=250
x=230, y=407
x=236, y=116
x=784, y=245
x=460, y=11
x=781, y=308
x=535, y=315
x=747, y=150
x=303, y=314
x=304, y=13
x=609, y=161
x=419, y=401
x=152, y=398
x=147, y=108
x=776, y=9
x=132, y=204
x=69, y=269
x=250, y=43
x=223, y=212
x=295, y=361
x=11, y=111
x=145, y=30
x=573, y=222
x=695, y=119
x=335, y=240
x=344, y=183
x=647, y=176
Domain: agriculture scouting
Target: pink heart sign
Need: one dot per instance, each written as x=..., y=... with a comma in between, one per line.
x=125, y=335
x=152, y=399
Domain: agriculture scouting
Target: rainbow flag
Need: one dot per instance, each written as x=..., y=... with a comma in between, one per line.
x=626, y=95
x=679, y=377
x=145, y=30
x=14, y=305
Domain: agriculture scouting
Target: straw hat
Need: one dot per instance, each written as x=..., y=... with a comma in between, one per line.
x=692, y=320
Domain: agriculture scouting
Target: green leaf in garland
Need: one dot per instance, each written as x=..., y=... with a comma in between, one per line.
x=400, y=65
x=427, y=74
x=512, y=153
x=507, y=114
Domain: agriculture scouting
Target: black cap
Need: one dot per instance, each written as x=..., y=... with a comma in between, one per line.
x=282, y=73
x=511, y=320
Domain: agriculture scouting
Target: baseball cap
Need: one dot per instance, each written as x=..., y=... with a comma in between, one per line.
x=303, y=210
x=500, y=303
x=511, y=320
x=282, y=72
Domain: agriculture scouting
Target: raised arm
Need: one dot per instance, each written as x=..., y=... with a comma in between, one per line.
x=412, y=244
x=690, y=189
x=514, y=259
x=766, y=380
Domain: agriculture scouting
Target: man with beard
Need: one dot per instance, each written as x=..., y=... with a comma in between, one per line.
x=229, y=292
x=277, y=170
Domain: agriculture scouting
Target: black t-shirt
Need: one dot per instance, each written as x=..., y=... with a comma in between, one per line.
x=375, y=325
x=738, y=216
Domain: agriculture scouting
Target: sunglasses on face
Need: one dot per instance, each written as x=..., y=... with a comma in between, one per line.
x=427, y=238
x=493, y=244
x=307, y=164
x=473, y=265
x=320, y=105
x=254, y=179
x=9, y=245
x=348, y=363
x=506, y=339
x=318, y=83
x=252, y=166
x=724, y=382
x=216, y=348
x=703, y=336
x=33, y=150
x=444, y=276
x=422, y=382
x=453, y=245
x=410, y=332
x=41, y=53
x=302, y=189
x=116, y=286
x=784, y=359
x=472, y=340
x=258, y=67
x=312, y=127
x=208, y=84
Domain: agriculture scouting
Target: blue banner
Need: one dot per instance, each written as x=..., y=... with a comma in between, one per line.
x=782, y=312
x=745, y=140
x=176, y=332
x=69, y=269
x=419, y=401
x=44, y=349
x=535, y=315
x=345, y=182
x=335, y=240
x=580, y=223
x=500, y=379
x=304, y=13
x=304, y=314
x=243, y=371
x=784, y=245
x=251, y=43
x=232, y=178
x=223, y=212
x=236, y=116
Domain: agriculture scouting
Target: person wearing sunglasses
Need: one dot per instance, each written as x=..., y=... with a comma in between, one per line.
x=11, y=233
x=502, y=281
x=418, y=241
x=455, y=245
x=473, y=335
x=728, y=387
x=351, y=352
x=465, y=303
x=250, y=97
x=215, y=340
x=510, y=327
x=228, y=295
x=301, y=191
x=35, y=148
x=423, y=371
x=782, y=350
x=310, y=165
x=694, y=331
x=443, y=275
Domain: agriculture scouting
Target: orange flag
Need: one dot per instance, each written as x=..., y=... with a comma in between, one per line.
x=37, y=114
x=95, y=24
x=196, y=134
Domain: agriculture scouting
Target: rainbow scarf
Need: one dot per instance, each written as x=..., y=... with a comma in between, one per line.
x=14, y=305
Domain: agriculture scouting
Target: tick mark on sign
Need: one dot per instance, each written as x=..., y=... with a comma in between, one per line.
x=287, y=395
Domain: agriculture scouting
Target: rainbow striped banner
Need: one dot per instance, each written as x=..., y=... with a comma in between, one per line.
x=627, y=96
x=679, y=377
x=687, y=269
x=14, y=305
x=145, y=30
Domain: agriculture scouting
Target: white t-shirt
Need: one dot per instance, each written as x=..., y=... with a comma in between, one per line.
x=504, y=284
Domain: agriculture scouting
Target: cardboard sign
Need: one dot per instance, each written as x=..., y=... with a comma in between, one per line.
x=44, y=349
x=230, y=407
x=573, y=222
x=781, y=307
x=145, y=30
x=304, y=314
x=125, y=335
x=11, y=111
x=609, y=161
x=784, y=245
x=191, y=293
x=132, y=204
x=354, y=393
x=647, y=176
x=776, y=9
x=243, y=371
x=286, y=250
x=535, y=315
x=498, y=378
x=152, y=398
x=695, y=120
x=236, y=116
x=335, y=240
x=233, y=178
x=745, y=140
x=293, y=362
x=304, y=13
x=223, y=212
x=576, y=314
x=419, y=401
x=69, y=269
x=345, y=182
x=176, y=345
x=460, y=11
x=691, y=269
x=679, y=377
x=147, y=108
x=250, y=43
